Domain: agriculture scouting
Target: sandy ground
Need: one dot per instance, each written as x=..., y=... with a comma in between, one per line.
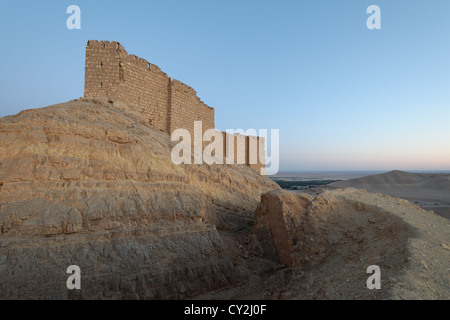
x=438, y=202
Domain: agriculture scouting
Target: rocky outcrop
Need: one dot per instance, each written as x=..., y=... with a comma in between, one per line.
x=276, y=223
x=85, y=183
x=329, y=242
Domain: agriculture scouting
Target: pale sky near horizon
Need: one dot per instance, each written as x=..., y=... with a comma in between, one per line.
x=343, y=97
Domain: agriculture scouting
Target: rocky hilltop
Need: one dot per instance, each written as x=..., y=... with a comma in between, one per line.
x=85, y=183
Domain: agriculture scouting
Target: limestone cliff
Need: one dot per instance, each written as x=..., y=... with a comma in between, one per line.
x=85, y=183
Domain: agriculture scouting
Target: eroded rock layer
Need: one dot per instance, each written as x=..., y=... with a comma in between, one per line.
x=85, y=183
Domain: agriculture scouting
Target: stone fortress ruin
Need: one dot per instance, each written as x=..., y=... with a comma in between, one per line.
x=164, y=103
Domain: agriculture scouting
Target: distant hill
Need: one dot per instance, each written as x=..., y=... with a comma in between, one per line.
x=398, y=178
x=430, y=191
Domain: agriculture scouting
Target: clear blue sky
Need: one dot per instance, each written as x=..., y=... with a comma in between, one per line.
x=344, y=97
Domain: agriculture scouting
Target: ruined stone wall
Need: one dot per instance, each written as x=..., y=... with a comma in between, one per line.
x=102, y=69
x=248, y=150
x=186, y=108
x=163, y=103
x=145, y=88
x=256, y=159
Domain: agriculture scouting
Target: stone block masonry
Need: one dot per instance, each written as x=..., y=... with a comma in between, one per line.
x=163, y=103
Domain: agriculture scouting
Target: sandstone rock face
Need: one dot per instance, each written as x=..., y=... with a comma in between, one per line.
x=330, y=241
x=276, y=223
x=87, y=184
